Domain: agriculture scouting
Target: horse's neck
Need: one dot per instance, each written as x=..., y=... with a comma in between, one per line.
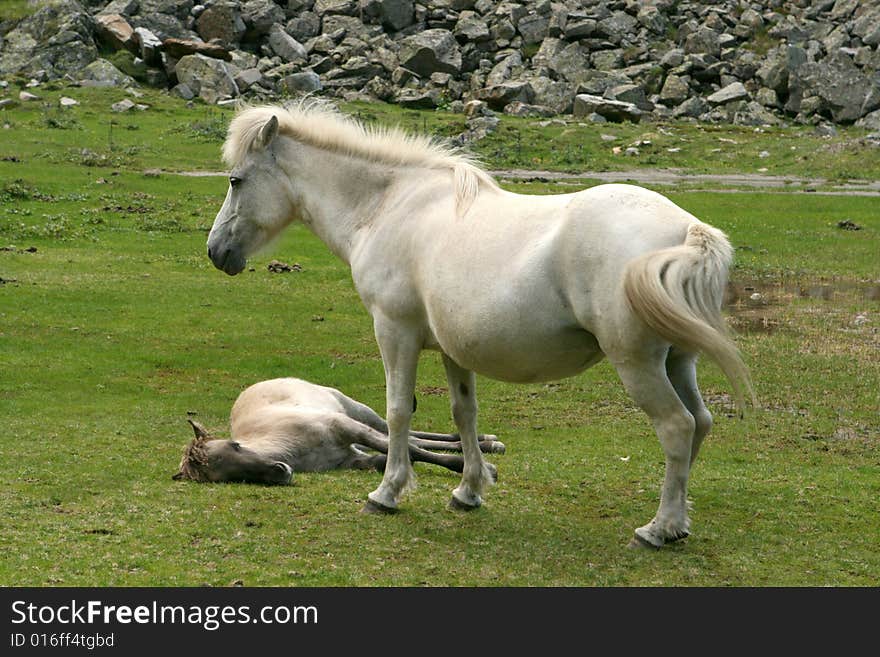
x=340, y=196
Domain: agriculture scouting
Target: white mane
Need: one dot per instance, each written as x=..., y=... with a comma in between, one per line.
x=319, y=124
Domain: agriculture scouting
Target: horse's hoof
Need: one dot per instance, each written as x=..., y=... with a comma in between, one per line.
x=639, y=543
x=375, y=508
x=456, y=504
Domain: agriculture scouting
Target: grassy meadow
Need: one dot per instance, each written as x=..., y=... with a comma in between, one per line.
x=115, y=327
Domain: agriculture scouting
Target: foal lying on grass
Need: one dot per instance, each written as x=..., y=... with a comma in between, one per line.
x=283, y=426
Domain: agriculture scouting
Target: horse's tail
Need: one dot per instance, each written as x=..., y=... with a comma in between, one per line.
x=678, y=292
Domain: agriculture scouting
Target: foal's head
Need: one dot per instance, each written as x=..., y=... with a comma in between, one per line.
x=258, y=203
x=208, y=459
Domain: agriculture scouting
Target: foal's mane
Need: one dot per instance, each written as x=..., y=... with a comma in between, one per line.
x=320, y=124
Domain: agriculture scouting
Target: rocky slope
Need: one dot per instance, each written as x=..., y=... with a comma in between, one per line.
x=735, y=61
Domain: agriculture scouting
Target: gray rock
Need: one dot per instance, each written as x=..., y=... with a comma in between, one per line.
x=845, y=92
x=580, y=28
x=396, y=14
x=675, y=90
x=518, y=108
x=651, y=18
x=693, y=107
x=866, y=26
x=630, y=93
x=259, y=16
x=556, y=95
x=730, y=93
x=344, y=7
x=612, y=110
x=430, y=51
x=210, y=79
x=122, y=106
x=149, y=46
x=871, y=120
x=768, y=98
x=124, y=7
x=533, y=28
x=302, y=83
x=101, y=73
x=470, y=27
x=222, y=20
x=572, y=63
x=416, y=99
x=56, y=38
x=505, y=69
x=179, y=9
x=704, y=41
x=247, y=78
x=618, y=26
x=304, y=26
x=285, y=46
x=500, y=95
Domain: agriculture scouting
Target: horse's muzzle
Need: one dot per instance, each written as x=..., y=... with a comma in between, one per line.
x=230, y=261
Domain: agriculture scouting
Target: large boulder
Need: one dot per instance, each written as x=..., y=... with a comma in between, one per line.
x=223, y=21
x=210, y=79
x=394, y=15
x=612, y=110
x=101, y=73
x=114, y=31
x=844, y=91
x=259, y=16
x=431, y=51
x=285, y=46
x=57, y=38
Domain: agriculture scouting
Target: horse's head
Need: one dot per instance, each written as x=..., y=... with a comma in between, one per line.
x=257, y=205
x=208, y=459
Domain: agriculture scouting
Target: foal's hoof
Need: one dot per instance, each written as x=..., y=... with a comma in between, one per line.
x=377, y=509
x=493, y=447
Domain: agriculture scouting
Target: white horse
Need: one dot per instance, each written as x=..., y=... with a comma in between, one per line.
x=515, y=287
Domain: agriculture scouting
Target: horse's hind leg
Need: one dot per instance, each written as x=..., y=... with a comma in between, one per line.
x=681, y=368
x=477, y=473
x=646, y=381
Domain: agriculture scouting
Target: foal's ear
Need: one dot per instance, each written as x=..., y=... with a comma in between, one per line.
x=200, y=431
x=268, y=132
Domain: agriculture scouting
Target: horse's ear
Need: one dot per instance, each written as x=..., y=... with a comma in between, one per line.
x=269, y=131
x=200, y=431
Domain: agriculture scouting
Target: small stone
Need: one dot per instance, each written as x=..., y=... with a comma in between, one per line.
x=67, y=102
x=122, y=105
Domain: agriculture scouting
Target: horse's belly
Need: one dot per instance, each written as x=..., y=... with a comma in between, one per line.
x=524, y=357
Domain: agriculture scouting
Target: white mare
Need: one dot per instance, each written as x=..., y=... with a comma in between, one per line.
x=515, y=287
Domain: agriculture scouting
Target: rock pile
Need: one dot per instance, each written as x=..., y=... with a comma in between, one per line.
x=734, y=61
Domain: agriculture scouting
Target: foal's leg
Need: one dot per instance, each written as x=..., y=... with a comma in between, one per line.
x=353, y=432
x=477, y=475
x=646, y=381
x=681, y=368
x=400, y=354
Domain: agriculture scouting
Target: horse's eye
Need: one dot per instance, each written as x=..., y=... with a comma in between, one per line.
x=235, y=446
x=234, y=181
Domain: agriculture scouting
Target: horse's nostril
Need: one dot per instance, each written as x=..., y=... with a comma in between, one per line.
x=210, y=254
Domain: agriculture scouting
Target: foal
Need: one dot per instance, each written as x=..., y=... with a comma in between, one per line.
x=289, y=425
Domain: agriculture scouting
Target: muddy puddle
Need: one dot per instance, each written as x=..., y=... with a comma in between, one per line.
x=756, y=306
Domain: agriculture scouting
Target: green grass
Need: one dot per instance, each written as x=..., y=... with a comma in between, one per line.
x=117, y=327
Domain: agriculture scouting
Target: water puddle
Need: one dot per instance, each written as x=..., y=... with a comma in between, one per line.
x=755, y=306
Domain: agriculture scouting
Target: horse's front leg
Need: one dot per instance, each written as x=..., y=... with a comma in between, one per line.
x=400, y=349
x=478, y=474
